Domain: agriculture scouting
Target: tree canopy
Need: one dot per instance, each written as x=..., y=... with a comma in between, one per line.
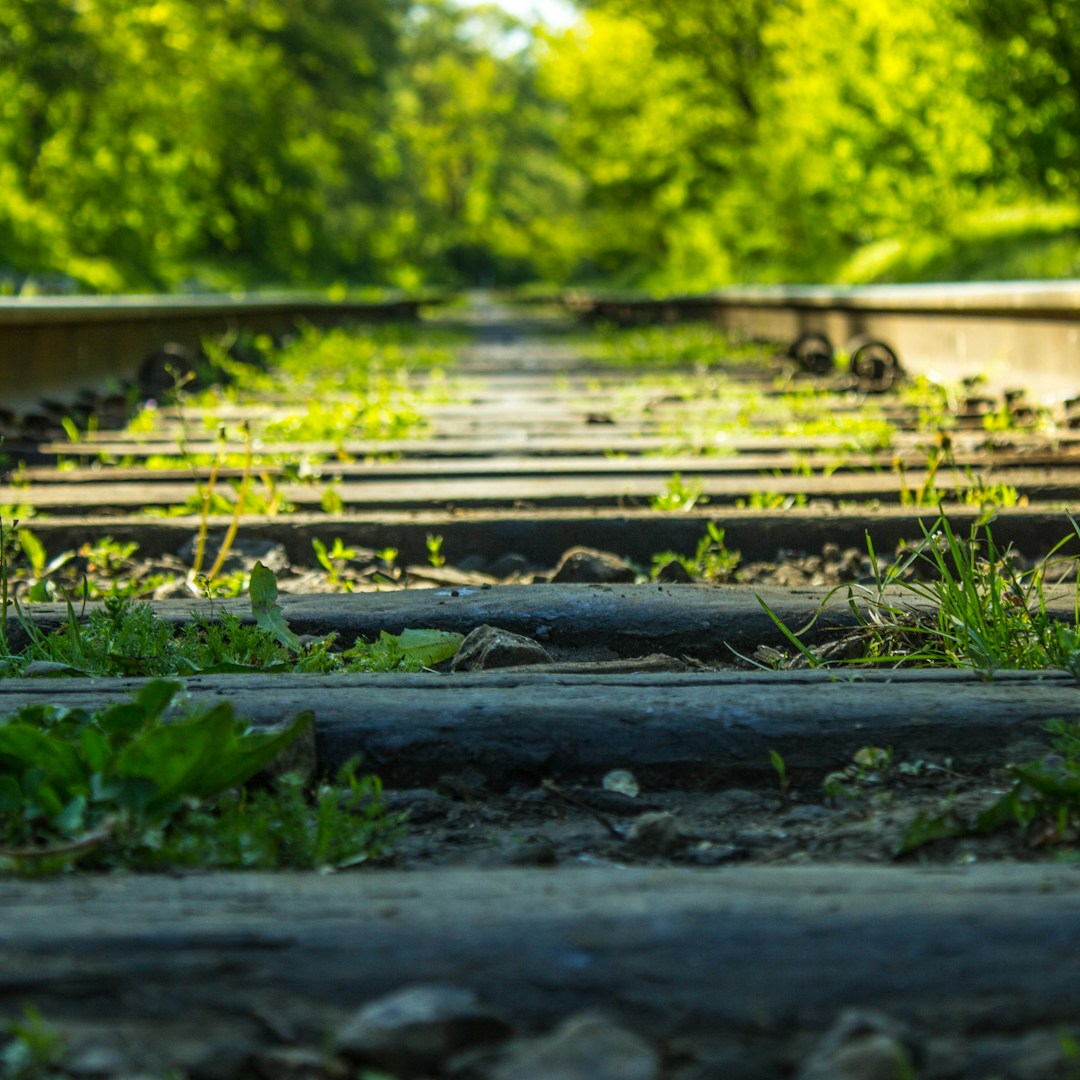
x=678, y=144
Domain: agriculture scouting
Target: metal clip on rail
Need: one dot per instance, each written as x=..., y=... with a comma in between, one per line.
x=873, y=364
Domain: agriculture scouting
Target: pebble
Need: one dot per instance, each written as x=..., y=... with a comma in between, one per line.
x=586, y=1046
x=582, y=564
x=656, y=833
x=802, y=815
x=861, y=1045
x=674, y=573
x=418, y=1028
x=489, y=647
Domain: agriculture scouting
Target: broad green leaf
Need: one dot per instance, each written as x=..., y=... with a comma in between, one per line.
x=155, y=696
x=201, y=757
x=122, y=721
x=51, y=669
x=96, y=749
x=27, y=747
x=428, y=646
x=33, y=549
x=11, y=796
x=263, y=593
x=253, y=750
x=72, y=819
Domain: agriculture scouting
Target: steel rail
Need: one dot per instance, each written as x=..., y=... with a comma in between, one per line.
x=55, y=347
x=1013, y=333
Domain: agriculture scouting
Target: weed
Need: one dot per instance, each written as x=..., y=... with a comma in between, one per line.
x=712, y=559
x=411, y=650
x=869, y=766
x=680, y=495
x=1043, y=800
x=434, y=549
x=976, y=610
x=770, y=500
x=337, y=825
x=331, y=501
x=780, y=765
x=333, y=560
x=969, y=489
x=76, y=784
x=34, y=1048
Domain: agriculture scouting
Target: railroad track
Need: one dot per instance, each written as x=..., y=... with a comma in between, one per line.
x=659, y=906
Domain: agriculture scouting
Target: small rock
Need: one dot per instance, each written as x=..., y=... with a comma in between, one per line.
x=656, y=833
x=759, y=837
x=806, y=814
x=489, y=647
x=674, y=573
x=584, y=1047
x=510, y=565
x=226, y=1058
x=581, y=564
x=710, y=854
x=418, y=1028
x=98, y=1059
x=861, y=1045
x=622, y=781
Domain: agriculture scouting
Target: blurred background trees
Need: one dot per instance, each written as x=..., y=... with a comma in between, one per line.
x=675, y=144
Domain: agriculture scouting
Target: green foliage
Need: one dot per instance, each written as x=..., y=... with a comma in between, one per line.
x=275, y=102
x=75, y=783
x=411, y=650
x=679, y=494
x=434, y=544
x=338, y=825
x=962, y=602
x=679, y=144
x=33, y=1049
x=264, y=607
x=125, y=638
x=712, y=559
x=1043, y=799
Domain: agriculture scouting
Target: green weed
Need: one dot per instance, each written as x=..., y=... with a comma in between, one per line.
x=108, y=785
x=1043, y=800
x=34, y=1049
x=953, y=602
x=679, y=494
x=683, y=345
x=434, y=549
x=122, y=638
x=712, y=559
x=333, y=561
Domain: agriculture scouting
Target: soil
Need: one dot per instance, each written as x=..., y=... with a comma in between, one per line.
x=455, y=825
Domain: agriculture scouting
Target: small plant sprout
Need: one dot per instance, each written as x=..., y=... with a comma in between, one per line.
x=33, y=1050
x=780, y=766
x=680, y=494
x=712, y=559
x=334, y=560
x=434, y=550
